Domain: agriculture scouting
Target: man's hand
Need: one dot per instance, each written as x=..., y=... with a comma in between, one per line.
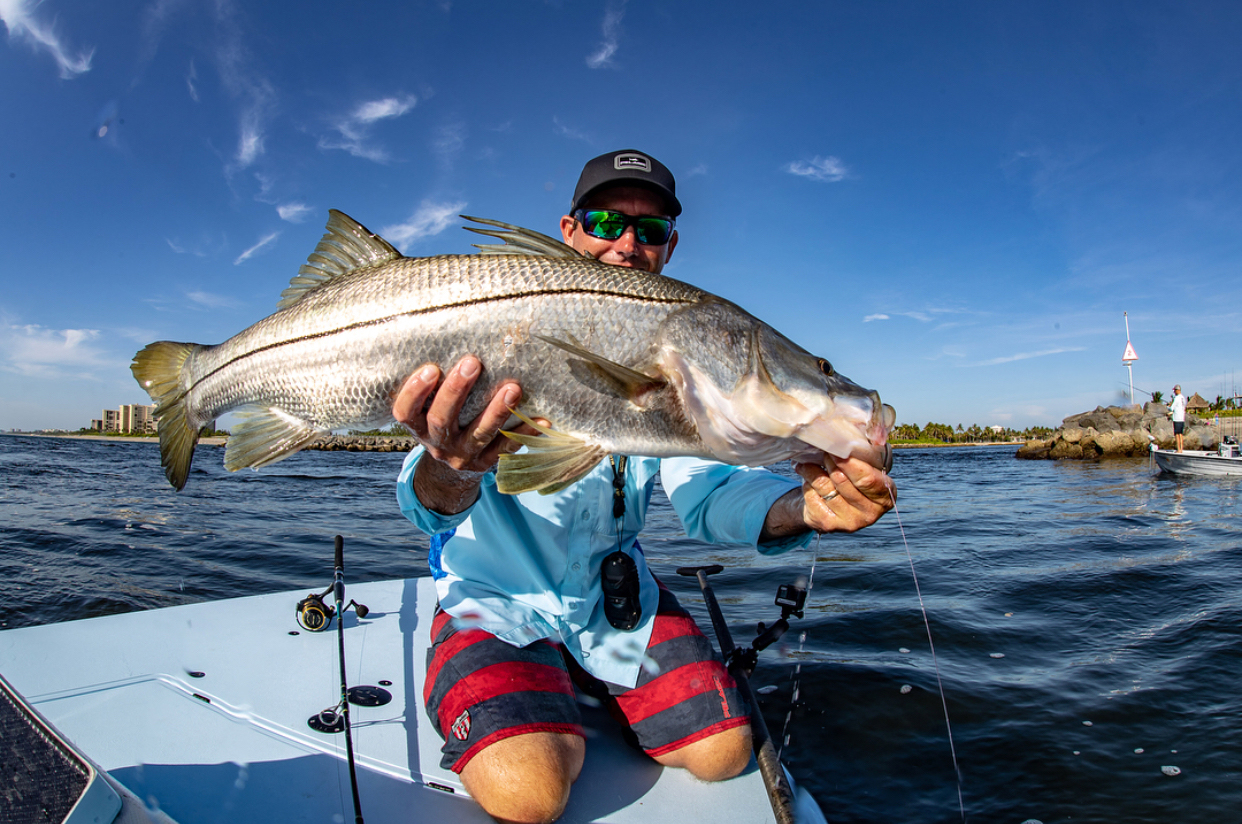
x=460, y=455
x=845, y=496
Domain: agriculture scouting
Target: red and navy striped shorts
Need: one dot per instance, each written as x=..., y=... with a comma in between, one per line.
x=480, y=690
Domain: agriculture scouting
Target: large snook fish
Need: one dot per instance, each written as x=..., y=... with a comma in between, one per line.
x=617, y=360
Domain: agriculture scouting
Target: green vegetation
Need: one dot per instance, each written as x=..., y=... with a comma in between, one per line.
x=393, y=430
x=943, y=433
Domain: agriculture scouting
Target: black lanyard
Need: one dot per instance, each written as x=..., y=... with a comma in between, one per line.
x=619, y=574
x=618, y=490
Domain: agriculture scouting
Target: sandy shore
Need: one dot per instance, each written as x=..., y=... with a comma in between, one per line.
x=213, y=441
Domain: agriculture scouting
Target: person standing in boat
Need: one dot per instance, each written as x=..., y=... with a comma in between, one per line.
x=538, y=592
x=1177, y=411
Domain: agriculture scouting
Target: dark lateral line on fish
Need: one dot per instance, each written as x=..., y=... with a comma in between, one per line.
x=440, y=308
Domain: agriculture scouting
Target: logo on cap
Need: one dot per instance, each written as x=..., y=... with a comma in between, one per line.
x=623, y=162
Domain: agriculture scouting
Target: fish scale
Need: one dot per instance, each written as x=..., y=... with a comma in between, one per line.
x=618, y=360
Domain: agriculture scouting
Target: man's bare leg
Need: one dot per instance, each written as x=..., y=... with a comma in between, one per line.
x=714, y=758
x=525, y=779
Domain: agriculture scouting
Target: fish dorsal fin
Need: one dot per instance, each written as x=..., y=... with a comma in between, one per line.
x=264, y=436
x=519, y=241
x=626, y=382
x=346, y=246
x=552, y=461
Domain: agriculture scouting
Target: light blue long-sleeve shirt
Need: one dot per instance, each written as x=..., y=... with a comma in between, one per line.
x=526, y=567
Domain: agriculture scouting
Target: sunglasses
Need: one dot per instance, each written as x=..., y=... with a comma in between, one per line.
x=651, y=231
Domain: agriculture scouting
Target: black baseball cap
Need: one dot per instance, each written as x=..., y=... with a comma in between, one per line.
x=627, y=167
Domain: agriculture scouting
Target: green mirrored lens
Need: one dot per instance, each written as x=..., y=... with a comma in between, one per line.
x=652, y=230
x=605, y=225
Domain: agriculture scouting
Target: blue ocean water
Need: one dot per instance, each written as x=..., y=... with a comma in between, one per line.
x=1086, y=616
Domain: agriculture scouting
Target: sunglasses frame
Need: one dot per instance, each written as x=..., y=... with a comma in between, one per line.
x=627, y=221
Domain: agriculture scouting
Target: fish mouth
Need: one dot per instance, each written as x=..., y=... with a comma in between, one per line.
x=862, y=432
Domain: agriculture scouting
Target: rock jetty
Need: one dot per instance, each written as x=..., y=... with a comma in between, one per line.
x=1117, y=431
x=362, y=443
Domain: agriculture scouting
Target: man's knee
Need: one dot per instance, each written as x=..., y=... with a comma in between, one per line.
x=525, y=778
x=715, y=758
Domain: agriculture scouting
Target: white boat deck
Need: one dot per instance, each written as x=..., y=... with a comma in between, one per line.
x=202, y=710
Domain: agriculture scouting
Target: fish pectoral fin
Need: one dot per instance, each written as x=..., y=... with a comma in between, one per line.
x=346, y=246
x=626, y=382
x=551, y=462
x=264, y=436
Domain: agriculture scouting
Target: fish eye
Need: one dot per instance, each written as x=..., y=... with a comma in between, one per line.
x=826, y=368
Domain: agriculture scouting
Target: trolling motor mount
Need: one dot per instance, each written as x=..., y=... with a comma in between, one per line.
x=791, y=598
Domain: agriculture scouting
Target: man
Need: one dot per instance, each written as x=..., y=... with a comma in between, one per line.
x=1177, y=411
x=522, y=573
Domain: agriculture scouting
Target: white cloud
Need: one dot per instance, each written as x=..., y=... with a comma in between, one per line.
x=1028, y=355
x=19, y=18
x=449, y=141
x=264, y=242
x=429, y=219
x=37, y=351
x=569, y=131
x=353, y=131
x=878, y=316
x=602, y=56
x=824, y=169
x=191, y=81
x=293, y=212
x=205, y=246
x=182, y=250
x=208, y=300
x=374, y=110
x=256, y=96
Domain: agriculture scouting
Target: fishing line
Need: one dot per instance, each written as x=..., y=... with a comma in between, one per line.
x=935, y=661
x=797, y=676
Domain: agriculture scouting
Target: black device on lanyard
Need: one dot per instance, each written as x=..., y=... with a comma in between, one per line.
x=619, y=574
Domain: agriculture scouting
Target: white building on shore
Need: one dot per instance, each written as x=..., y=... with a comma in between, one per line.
x=131, y=417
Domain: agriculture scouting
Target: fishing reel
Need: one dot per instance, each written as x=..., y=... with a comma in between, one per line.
x=315, y=615
x=791, y=598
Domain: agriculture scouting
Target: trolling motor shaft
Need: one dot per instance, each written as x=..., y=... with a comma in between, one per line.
x=779, y=792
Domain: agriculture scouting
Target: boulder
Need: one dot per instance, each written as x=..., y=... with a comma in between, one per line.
x=1034, y=450
x=1117, y=431
x=1061, y=450
x=1072, y=434
x=1115, y=443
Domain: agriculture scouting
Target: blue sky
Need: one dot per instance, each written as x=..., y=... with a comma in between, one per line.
x=953, y=202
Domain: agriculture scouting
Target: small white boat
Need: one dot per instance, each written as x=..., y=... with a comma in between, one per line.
x=205, y=713
x=1223, y=461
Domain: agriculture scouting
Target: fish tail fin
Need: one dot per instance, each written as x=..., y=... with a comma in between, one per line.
x=158, y=369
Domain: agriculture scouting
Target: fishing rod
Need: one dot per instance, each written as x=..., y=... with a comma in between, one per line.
x=314, y=615
x=338, y=589
x=780, y=795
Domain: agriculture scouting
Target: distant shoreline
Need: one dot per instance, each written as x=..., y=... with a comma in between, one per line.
x=212, y=441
